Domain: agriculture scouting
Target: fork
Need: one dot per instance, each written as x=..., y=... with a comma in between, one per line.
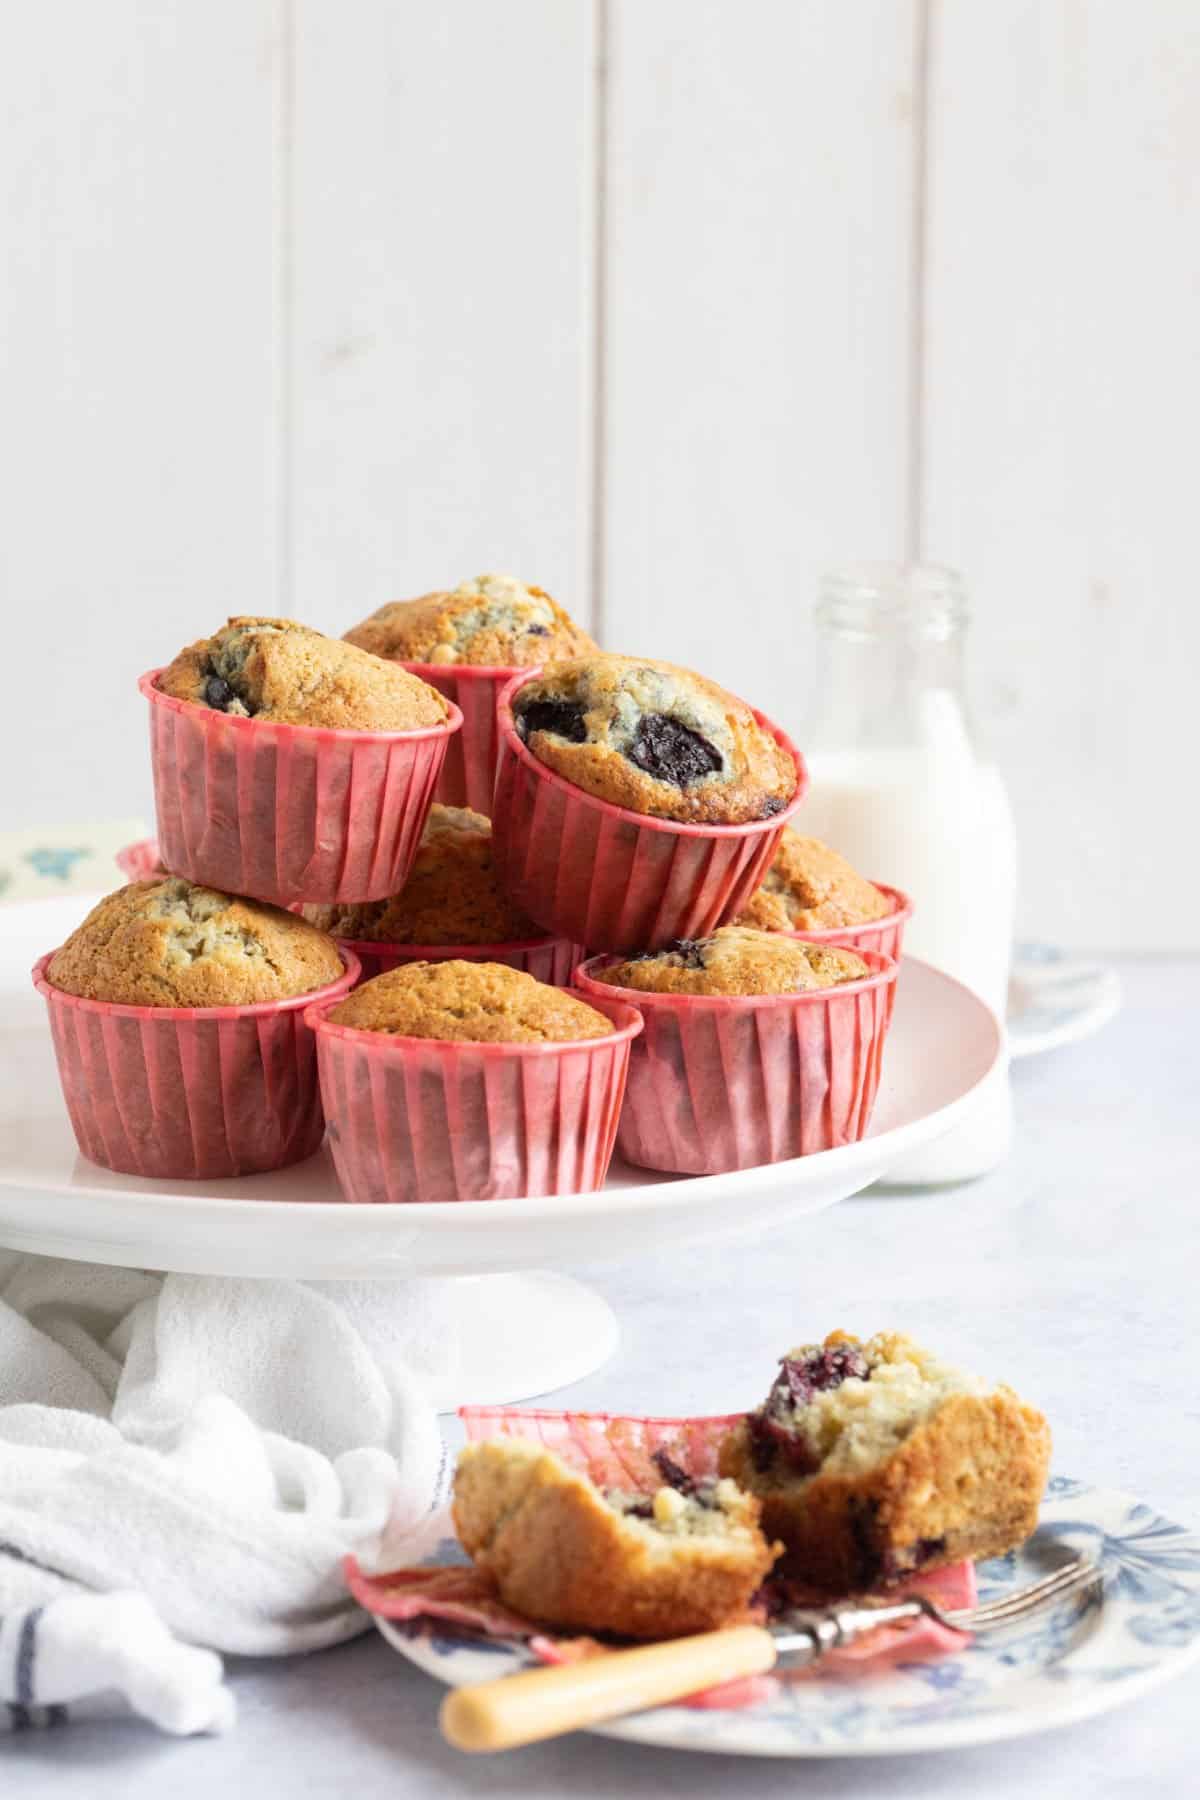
x=543, y=1703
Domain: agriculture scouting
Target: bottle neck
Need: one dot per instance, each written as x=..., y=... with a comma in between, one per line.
x=889, y=671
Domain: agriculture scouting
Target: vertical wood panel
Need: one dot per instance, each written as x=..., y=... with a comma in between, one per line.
x=137, y=431
x=1063, y=435
x=443, y=331
x=760, y=222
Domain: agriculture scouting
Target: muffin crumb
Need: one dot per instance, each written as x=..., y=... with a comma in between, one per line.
x=736, y=960
x=492, y=620
x=809, y=887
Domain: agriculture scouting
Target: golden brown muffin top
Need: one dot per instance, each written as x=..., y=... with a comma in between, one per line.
x=736, y=960
x=166, y=942
x=493, y=620
x=278, y=670
x=654, y=739
x=476, y=1002
x=451, y=895
x=809, y=887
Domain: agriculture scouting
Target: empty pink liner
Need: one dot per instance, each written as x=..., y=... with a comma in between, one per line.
x=719, y=1082
x=289, y=812
x=549, y=959
x=183, y=1093
x=613, y=879
x=469, y=772
x=423, y=1119
x=140, y=861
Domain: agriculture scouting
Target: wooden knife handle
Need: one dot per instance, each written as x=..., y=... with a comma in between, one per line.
x=543, y=1703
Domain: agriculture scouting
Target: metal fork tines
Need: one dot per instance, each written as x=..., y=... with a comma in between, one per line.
x=813, y=1633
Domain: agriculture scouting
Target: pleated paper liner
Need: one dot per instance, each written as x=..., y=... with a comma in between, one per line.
x=289, y=813
x=468, y=774
x=140, y=861
x=720, y=1082
x=613, y=879
x=549, y=959
x=424, y=1119
x=190, y=1093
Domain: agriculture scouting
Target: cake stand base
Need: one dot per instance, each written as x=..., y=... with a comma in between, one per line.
x=500, y=1338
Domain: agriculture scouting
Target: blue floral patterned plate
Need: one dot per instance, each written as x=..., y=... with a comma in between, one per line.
x=1079, y=1659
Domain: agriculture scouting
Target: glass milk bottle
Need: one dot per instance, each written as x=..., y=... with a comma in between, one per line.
x=899, y=786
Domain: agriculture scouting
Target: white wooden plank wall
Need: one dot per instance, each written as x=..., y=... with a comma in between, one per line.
x=667, y=304
x=1062, y=466
x=138, y=424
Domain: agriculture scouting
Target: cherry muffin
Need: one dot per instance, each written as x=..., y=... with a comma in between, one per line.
x=292, y=766
x=636, y=802
x=809, y=888
x=469, y=642
x=874, y=1460
x=451, y=908
x=686, y=1558
x=470, y=1081
x=177, y=1015
x=757, y=1047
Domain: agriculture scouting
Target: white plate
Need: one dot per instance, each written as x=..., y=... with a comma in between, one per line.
x=1056, y=999
x=292, y=1223
x=1072, y=1662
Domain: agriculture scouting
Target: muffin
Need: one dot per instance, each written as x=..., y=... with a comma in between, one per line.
x=451, y=895
x=755, y=1048
x=292, y=766
x=735, y=960
x=873, y=1460
x=685, y=1558
x=467, y=643
x=276, y=670
x=167, y=942
x=494, y=620
x=654, y=739
x=470, y=1081
x=809, y=887
x=177, y=1015
x=468, y=1002
x=636, y=803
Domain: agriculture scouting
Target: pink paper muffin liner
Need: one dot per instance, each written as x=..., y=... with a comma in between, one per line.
x=720, y=1082
x=183, y=1093
x=289, y=812
x=140, y=861
x=549, y=959
x=428, y=1120
x=613, y=879
x=469, y=772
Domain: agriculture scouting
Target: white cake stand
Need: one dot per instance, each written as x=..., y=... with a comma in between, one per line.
x=509, y=1333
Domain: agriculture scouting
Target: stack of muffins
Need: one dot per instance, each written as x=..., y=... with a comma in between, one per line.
x=439, y=812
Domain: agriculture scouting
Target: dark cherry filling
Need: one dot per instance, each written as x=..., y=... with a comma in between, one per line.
x=219, y=694
x=669, y=751
x=674, y=1476
x=537, y=631
x=895, y=1564
x=771, y=807
x=562, y=717
x=772, y=1427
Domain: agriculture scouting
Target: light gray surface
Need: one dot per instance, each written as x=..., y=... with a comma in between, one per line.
x=1071, y=1273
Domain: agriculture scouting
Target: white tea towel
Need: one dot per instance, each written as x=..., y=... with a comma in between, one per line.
x=184, y=1462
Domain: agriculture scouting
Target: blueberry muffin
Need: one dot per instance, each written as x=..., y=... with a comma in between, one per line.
x=809, y=887
x=451, y=896
x=274, y=669
x=735, y=960
x=493, y=620
x=167, y=942
x=686, y=1558
x=476, y=1002
x=654, y=739
x=875, y=1459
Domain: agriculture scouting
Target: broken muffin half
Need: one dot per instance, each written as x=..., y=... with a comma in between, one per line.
x=874, y=1459
x=687, y=1557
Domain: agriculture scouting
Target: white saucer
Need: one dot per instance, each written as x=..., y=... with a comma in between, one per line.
x=1056, y=999
x=1084, y=1657
x=293, y=1223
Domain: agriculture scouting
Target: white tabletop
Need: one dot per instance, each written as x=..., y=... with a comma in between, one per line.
x=1071, y=1273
